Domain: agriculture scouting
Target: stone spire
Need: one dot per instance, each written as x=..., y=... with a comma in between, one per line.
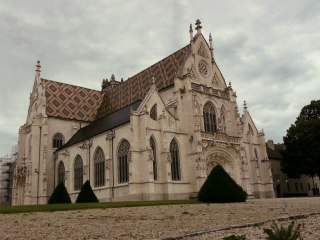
x=191, y=32
x=112, y=79
x=38, y=67
x=104, y=83
x=38, y=70
x=211, y=47
x=198, y=28
x=245, y=105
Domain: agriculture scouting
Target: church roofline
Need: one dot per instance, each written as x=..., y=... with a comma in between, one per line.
x=49, y=80
x=136, y=87
x=69, y=101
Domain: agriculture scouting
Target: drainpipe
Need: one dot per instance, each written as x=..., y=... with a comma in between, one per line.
x=89, y=146
x=110, y=136
x=112, y=188
x=38, y=171
x=54, y=170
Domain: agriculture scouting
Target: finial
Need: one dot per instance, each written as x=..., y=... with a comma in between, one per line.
x=198, y=28
x=191, y=32
x=38, y=67
x=112, y=79
x=153, y=80
x=230, y=85
x=245, y=105
x=121, y=79
x=103, y=84
x=211, y=47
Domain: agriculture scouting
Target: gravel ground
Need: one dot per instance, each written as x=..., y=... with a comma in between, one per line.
x=164, y=222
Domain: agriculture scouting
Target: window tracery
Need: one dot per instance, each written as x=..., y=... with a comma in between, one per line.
x=58, y=140
x=99, y=168
x=175, y=161
x=123, y=162
x=153, y=112
x=61, y=172
x=203, y=69
x=209, y=118
x=78, y=173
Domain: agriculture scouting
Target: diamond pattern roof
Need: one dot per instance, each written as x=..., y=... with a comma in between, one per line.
x=136, y=87
x=70, y=101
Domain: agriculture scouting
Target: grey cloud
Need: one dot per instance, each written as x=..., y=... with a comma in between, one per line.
x=268, y=50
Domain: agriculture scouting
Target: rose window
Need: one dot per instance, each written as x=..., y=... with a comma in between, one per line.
x=203, y=69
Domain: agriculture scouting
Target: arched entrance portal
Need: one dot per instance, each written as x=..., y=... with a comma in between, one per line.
x=226, y=161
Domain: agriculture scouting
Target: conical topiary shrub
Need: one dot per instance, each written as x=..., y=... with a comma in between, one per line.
x=59, y=195
x=221, y=188
x=86, y=194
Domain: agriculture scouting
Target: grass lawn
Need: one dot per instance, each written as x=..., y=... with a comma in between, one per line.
x=66, y=207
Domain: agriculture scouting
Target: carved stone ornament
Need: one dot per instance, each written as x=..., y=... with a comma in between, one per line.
x=215, y=80
x=190, y=73
x=168, y=157
x=219, y=158
x=202, y=51
x=203, y=68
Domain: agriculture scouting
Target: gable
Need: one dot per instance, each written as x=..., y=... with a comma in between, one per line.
x=70, y=101
x=202, y=67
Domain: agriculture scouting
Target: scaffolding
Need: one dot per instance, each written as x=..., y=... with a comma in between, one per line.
x=7, y=166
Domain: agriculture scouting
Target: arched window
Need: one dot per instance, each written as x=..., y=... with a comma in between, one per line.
x=61, y=173
x=175, y=161
x=78, y=173
x=123, y=162
x=209, y=118
x=99, y=168
x=153, y=112
x=154, y=156
x=58, y=140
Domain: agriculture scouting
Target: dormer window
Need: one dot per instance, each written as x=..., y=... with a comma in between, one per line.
x=153, y=112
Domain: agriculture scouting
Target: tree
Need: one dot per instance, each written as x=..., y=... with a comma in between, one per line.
x=221, y=188
x=59, y=195
x=301, y=155
x=86, y=194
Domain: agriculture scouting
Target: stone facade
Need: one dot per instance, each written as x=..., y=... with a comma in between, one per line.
x=156, y=135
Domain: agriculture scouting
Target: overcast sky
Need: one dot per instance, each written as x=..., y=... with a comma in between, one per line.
x=269, y=50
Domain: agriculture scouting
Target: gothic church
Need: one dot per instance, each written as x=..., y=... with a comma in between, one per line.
x=154, y=136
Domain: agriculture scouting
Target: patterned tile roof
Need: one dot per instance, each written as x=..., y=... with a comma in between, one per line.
x=136, y=87
x=71, y=102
